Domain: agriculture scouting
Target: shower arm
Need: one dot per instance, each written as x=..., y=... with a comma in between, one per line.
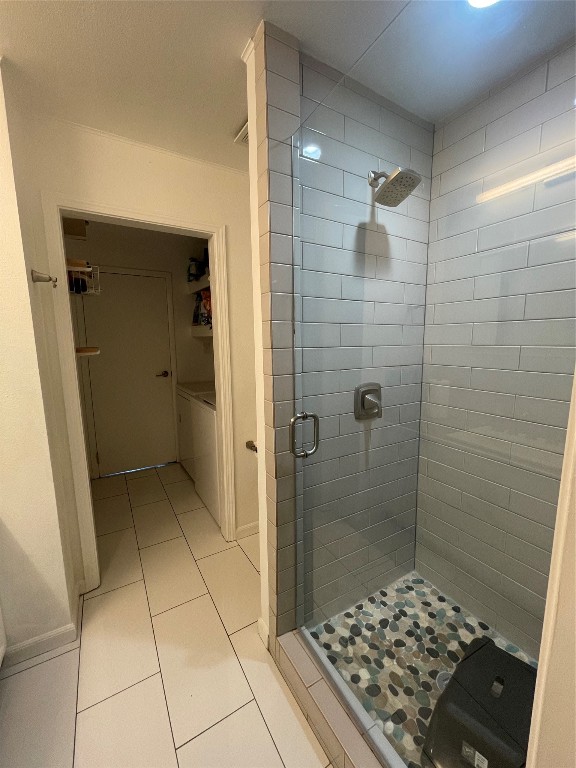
x=374, y=177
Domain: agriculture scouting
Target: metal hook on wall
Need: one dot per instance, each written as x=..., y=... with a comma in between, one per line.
x=40, y=277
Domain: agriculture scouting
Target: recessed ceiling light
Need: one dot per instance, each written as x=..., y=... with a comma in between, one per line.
x=312, y=151
x=481, y=3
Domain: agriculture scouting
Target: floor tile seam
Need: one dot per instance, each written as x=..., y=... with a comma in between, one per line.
x=219, y=552
x=88, y=596
x=113, y=496
x=255, y=698
x=238, y=660
x=251, y=624
x=133, y=505
x=148, y=546
x=255, y=623
x=208, y=593
x=172, y=482
x=117, y=693
x=38, y=663
x=194, y=509
x=110, y=533
x=78, y=682
x=228, y=549
x=250, y=561
x=176, y=515
x=202, y=575
x=222, y=719
x=158, y=660
x=173, y=607
x=132, y=474
x=132, y=514
x=149, y=503
x=129, y=527
x=212, y=598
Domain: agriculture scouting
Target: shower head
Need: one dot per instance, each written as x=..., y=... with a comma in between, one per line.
x=397, y=185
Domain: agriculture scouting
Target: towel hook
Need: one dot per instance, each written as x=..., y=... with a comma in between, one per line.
x=40, y=277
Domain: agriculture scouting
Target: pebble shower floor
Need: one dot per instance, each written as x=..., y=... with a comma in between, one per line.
x=397, y=650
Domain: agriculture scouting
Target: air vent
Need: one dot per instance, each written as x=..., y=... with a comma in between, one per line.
x=242, y=137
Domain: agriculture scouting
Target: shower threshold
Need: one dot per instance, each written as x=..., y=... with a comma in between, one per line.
x=396, y=651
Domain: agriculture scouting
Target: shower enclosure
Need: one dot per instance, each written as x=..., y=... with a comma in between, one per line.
x=429, y=521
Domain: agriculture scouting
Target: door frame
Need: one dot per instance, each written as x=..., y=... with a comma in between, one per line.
x=88, y=402
x=55, y=206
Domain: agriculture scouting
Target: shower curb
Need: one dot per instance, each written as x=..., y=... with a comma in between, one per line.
x=347, y=734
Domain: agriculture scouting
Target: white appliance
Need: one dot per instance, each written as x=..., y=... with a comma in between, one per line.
x=198, y=444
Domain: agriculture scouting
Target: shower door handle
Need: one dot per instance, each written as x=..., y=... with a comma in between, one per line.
x=304, y=453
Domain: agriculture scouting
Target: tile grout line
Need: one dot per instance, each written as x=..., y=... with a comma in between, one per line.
x=235, y=654
x=113, y=695
x=8, y=674
x=157, y=656
x=77, y=687
x=105, y=498
x=219, y=616
x=164, y=541
x=241, y=629
x=253, y=699
x=101, y=535
x=114, y=589
x=194, y=509
x=192, y=599
x=219, y=552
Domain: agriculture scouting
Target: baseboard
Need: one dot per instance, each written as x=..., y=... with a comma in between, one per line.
x=263, y=631
x=38, y=645
x=247, y=530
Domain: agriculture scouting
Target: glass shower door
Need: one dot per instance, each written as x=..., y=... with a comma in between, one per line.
x=359, y=315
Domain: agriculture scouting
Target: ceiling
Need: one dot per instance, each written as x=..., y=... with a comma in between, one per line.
x=170, y=74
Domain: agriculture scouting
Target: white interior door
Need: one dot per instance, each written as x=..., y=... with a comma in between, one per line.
x=133, y=403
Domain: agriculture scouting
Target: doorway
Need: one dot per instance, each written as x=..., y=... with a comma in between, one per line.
x=209, y=351
x=130, y=382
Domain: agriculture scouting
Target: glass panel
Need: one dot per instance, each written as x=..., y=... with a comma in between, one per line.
x=360, y=303
x=471, y=434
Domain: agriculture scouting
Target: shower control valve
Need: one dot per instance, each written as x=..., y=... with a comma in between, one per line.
x=368, y=401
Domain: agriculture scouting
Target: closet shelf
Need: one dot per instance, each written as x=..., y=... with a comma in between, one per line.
x=199, y=285
x=87, y=351
x=78, y=265
x=201, y=330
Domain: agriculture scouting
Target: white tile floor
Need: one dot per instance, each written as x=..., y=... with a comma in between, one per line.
x=170, y=670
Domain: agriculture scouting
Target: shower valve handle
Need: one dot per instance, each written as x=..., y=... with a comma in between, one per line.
x=371, y=404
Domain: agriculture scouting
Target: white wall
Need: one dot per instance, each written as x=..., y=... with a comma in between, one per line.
x=57, y=159
x=33, y=588
x=117, y=246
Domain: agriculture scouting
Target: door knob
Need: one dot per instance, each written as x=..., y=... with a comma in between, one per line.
x=164, y=374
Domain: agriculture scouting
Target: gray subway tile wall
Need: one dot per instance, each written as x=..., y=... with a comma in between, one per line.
x=496, y=393
x=278, y=116
x=363, y=282
x=460, y=302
